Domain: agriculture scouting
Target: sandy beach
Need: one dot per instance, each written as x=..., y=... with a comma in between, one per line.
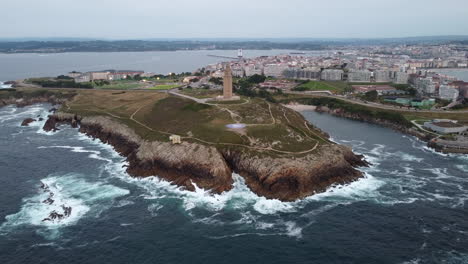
x=300, y=107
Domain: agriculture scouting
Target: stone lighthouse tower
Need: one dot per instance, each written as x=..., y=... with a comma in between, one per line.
x=227, y=91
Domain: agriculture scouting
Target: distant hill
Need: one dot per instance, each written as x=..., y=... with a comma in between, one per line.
x=57, y=45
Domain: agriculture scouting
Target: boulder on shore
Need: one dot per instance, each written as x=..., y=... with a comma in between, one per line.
x=28, y=121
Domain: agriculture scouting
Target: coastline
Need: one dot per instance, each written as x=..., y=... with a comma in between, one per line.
x=193, y=165
x=429, y=139
x=187, y=166
x=300, y=107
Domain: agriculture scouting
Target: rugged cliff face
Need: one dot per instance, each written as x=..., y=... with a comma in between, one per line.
x=284, y=178
x=61, y=118
x=184, y=165
x=290, y=179
x=22, y=102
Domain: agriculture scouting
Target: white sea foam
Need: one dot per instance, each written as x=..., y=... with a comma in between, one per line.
x=8, y=110
x=123, y=203
x=463, y=168
x=13, y=113
x=408, y=157
x=264, y=225
x=377, y=154
x=293, y=230
x=413, y=261
x=5, y=86
x=95, y=154
x=441, y=173
x=71, y=190
x=362, y=189
x=154, y=208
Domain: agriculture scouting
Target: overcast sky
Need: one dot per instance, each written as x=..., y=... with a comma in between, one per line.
x=131, y=19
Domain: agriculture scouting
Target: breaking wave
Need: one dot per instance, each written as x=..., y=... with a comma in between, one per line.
x=12, y=113
x=54, y=194
x=380, y=185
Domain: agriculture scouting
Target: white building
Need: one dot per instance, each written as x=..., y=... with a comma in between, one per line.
x=238, y=71
x=74, y=74
x=359, y=76
x=85, y=77
x=253, y=69
x=448, y=92
x=217, y=74
x=332, y=75
x=99, y=75
x=274, y=70
x=426, y=86
x=401, y=78
x=383, y=76
x=311, y=73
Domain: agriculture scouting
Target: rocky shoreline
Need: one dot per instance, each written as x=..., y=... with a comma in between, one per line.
x=190, y=164
x=22, y=102
x=341, y=113
x=429, y=139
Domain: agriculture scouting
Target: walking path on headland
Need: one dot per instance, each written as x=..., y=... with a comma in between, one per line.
x=380, y=106
x=328, y=94
x=132, y=117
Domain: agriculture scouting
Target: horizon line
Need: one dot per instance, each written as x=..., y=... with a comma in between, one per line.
x=222, y=38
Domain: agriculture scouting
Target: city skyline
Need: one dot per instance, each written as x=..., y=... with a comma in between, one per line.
x=184, y=19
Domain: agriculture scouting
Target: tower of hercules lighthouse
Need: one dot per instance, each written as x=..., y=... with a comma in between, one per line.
x=227, y=80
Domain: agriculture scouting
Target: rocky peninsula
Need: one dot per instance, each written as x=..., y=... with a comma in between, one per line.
x=279, y=154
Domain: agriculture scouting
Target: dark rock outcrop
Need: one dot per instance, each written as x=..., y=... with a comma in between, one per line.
x=184, y=165
x=28, y=121
x=22, y=102
x=62, y=118
x=289, y=179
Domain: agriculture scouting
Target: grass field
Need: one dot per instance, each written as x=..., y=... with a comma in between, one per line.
x=120, y=86
x=201, y=93
x=337, y=87
x=270, y=128
x=164, y=87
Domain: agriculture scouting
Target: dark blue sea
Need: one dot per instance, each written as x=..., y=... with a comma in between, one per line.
x=410, y=208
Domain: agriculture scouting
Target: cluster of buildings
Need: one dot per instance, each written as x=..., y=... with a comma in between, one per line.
x=438, y=85
x=398, y=64
x=108, y=75
x=381, y=89
x=411, y=102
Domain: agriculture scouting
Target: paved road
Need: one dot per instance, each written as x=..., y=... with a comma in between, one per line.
x=316, y=93
x=381, y=106
x=198, y=100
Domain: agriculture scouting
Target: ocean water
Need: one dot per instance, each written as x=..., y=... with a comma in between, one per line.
x=410, y=208
x=4, y=86
x=27, y=65
x=461, y=74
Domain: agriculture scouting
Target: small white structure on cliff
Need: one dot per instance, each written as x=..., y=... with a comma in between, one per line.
x=175, y=139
